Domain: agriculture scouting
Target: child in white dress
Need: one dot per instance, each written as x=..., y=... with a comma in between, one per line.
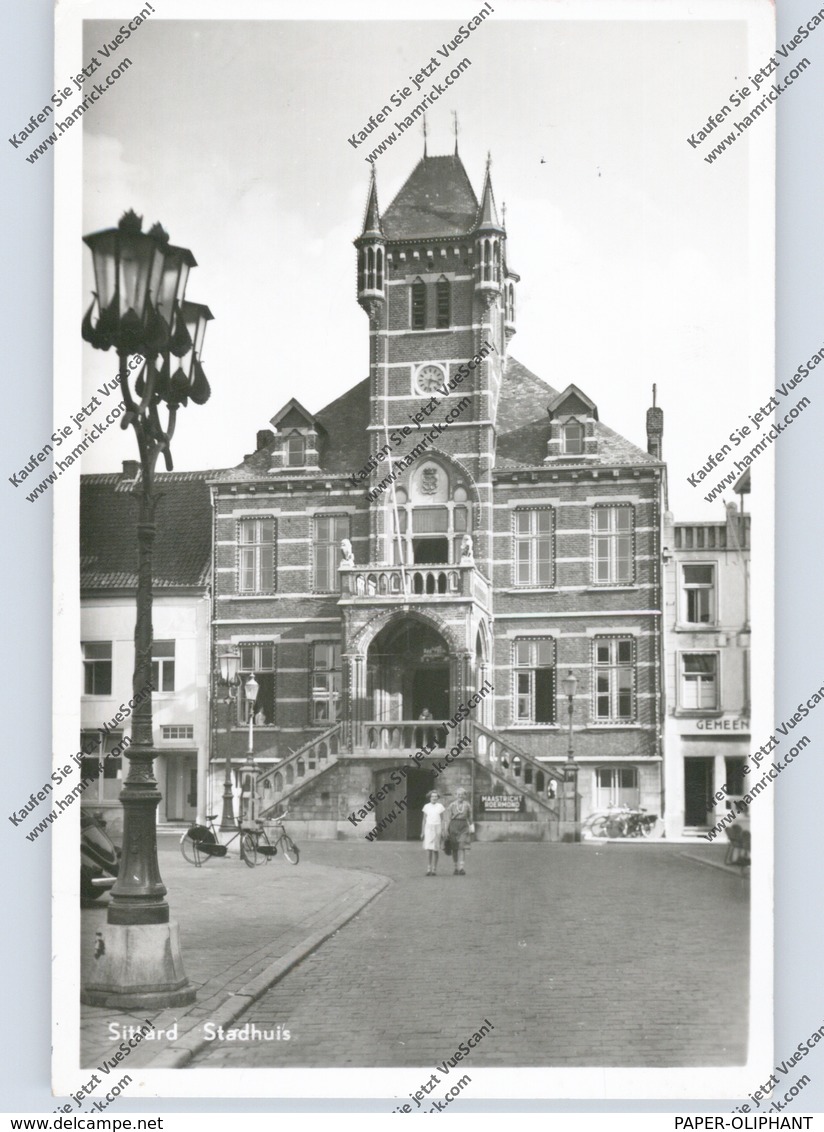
x=432, y=833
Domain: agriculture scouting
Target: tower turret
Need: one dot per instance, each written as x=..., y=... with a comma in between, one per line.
x=371, y=245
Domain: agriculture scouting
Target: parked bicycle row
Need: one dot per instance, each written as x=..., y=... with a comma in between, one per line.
x=258, y=841
x=620, y=821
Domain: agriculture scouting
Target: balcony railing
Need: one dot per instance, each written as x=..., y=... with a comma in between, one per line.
x=411, y=582
x=401, y=736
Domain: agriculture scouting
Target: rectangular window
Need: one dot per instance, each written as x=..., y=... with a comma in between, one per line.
x=256, y=538
x=295, y=451
x=612, y=549
x=614, y=679
x=178, y=731
x=534, y=666
x=418, y=306
x=699, y=594
x=325, y=681
x=163, y=666
x=699, y=681
x=443, y=314
x=329, y=530
x=572, y=435
x=257, y=659
x=97, y=668
x=533, y=548
x=616, y=786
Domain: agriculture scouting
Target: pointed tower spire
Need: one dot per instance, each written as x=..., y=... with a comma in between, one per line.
x=372, y=219
x=455, y=124
x=487, y=213
x=424, y=137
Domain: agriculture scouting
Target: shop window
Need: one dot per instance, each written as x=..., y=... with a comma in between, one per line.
x=616, y=786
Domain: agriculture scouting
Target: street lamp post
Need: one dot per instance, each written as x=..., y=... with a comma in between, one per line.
x=248, y=773
x=140, y=281
x=229, y=663
x=571, y=816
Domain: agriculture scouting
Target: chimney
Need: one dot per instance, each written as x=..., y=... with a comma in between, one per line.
x=131, y=469
x=264, y=438
x=655, y=428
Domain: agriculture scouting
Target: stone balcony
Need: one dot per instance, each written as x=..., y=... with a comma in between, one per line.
x=376, y=584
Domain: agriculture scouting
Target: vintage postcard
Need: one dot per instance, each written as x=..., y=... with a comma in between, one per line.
x=412, y=469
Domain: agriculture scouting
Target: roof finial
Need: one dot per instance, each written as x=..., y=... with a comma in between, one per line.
x=488, y=160
x=503, y=214
x=455, y=121
x=654, y=390
x=424, y=136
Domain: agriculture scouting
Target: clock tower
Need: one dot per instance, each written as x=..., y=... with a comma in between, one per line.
x=434, y=281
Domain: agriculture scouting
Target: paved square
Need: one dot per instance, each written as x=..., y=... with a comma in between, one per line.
x=611, y=954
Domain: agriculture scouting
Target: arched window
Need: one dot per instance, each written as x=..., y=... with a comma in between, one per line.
x=443, y=304
x=486, y=275
x=510, y=303
x=379, y=269
x=418, y=305
x=370, y=269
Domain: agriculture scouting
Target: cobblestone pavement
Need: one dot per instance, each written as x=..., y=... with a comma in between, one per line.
x=579, y=955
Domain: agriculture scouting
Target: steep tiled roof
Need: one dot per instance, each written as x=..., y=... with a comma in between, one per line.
x=437, y=200
x=108, y=532
x=523, y=425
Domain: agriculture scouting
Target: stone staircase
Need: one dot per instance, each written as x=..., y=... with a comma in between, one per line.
x=276, y=786
x=516, y=769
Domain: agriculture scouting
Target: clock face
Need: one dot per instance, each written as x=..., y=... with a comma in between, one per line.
x=429, y=379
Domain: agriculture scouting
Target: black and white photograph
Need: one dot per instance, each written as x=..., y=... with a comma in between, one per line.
x=412, y=473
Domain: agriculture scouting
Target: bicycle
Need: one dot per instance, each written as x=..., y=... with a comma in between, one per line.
x=260, y=845
x=630, y=823
x=201, y=842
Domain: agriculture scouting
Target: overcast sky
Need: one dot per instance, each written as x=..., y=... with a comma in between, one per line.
x=633, y=251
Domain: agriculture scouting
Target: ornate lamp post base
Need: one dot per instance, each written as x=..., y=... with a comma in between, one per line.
x=141, y=966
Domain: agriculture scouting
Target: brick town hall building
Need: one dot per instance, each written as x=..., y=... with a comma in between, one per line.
x=449, y=524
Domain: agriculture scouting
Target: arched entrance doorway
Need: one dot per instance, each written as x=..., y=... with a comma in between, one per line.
x=399, y=814
x=407, y=673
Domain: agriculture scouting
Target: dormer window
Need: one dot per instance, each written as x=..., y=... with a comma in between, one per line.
x=572, y=438
x=295, y=451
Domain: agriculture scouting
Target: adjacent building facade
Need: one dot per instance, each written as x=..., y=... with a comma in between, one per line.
x=181, y=656
x=411, y=571
x=708, y=666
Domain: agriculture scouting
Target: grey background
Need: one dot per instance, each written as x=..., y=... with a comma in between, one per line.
x=26, y=47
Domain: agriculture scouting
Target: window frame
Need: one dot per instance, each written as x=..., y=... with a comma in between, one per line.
x=331, y=696
x=162, y=663
x=258, y=545
x=699, y=708
x=90, y=667
x=418, y=305
x=616, y=793
x=261, y=674
x=532, y=540
x=528, y=690
x=613, y=668
x=292, y=438
x=688, y=588
x=443, y=304
x=581, y=443
x=612, y=537
x=332, y=550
